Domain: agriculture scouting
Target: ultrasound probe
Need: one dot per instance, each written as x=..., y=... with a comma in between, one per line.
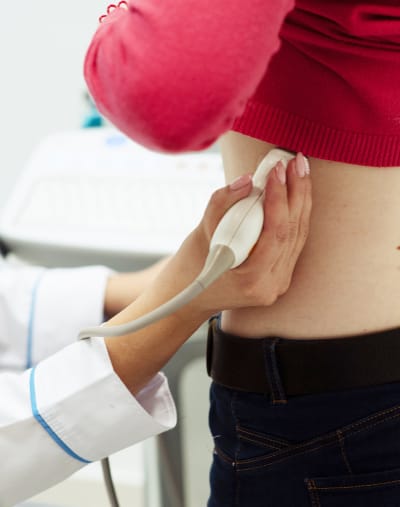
x=231, y=244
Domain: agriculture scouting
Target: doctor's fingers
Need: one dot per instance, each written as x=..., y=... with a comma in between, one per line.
x=222, y=199
x=260, y=279
x=287, y=213
x=273, y=241
x=300, y=203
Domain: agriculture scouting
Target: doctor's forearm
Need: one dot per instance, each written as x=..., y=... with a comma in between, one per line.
x=137, y=357
x=123, y=288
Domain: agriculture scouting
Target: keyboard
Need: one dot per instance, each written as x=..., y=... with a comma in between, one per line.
x=96, y=190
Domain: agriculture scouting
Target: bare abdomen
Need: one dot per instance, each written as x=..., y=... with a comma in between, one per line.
x=347, y=280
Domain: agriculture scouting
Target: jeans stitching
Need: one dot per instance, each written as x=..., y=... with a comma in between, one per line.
x=263, y=444
x=237, y=450
x=224, y=456
x=289, y=455
x=236, y=422
x=326, y=439
x=357, y=486
x=279, y=442
x=369, y=427
x=370, y=418
x=283, y=457
x=313, y=493
x=342, y=450
x=277, y=393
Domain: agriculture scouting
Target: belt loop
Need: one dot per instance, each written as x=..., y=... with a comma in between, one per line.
x=210, y=338
x=272, y=371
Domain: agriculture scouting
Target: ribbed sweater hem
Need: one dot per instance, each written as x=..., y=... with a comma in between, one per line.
x=287, y=130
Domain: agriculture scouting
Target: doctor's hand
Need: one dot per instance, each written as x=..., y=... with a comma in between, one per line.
x=267, y=273
x=259, y=281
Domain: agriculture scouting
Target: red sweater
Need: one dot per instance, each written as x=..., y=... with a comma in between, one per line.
x=174, y=75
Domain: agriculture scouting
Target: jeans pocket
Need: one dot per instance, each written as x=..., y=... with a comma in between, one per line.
x=360, y=490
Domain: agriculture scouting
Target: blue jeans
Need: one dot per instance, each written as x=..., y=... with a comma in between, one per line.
x=338, y=449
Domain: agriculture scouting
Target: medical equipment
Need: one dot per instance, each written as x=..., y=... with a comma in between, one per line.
x=94, y=196
x=232, y=242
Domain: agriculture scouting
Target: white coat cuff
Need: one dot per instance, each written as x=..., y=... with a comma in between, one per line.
x=66, y=300
x=89, y=408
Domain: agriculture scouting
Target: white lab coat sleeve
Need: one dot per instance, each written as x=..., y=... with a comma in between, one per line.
x=42, y=310
x=69, y=410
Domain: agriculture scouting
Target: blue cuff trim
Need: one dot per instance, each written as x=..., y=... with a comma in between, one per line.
x=44, y=424
x=29, y=339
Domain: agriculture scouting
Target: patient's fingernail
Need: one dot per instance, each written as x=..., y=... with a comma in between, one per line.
x=240, y=182
x=281, y=172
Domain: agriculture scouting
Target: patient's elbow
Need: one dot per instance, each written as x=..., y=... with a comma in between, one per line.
x=167, y=123
x=164, y=114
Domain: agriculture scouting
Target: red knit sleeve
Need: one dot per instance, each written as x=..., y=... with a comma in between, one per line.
x=174, y=74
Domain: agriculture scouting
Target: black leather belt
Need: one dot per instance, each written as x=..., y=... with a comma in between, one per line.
x=305, y=366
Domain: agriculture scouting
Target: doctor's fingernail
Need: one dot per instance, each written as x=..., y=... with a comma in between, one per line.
x=308, y=168
x=280, y=171
x=240, y=182
x=302, y=165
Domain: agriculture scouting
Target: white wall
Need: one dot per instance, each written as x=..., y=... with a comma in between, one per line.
x=42, y=46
